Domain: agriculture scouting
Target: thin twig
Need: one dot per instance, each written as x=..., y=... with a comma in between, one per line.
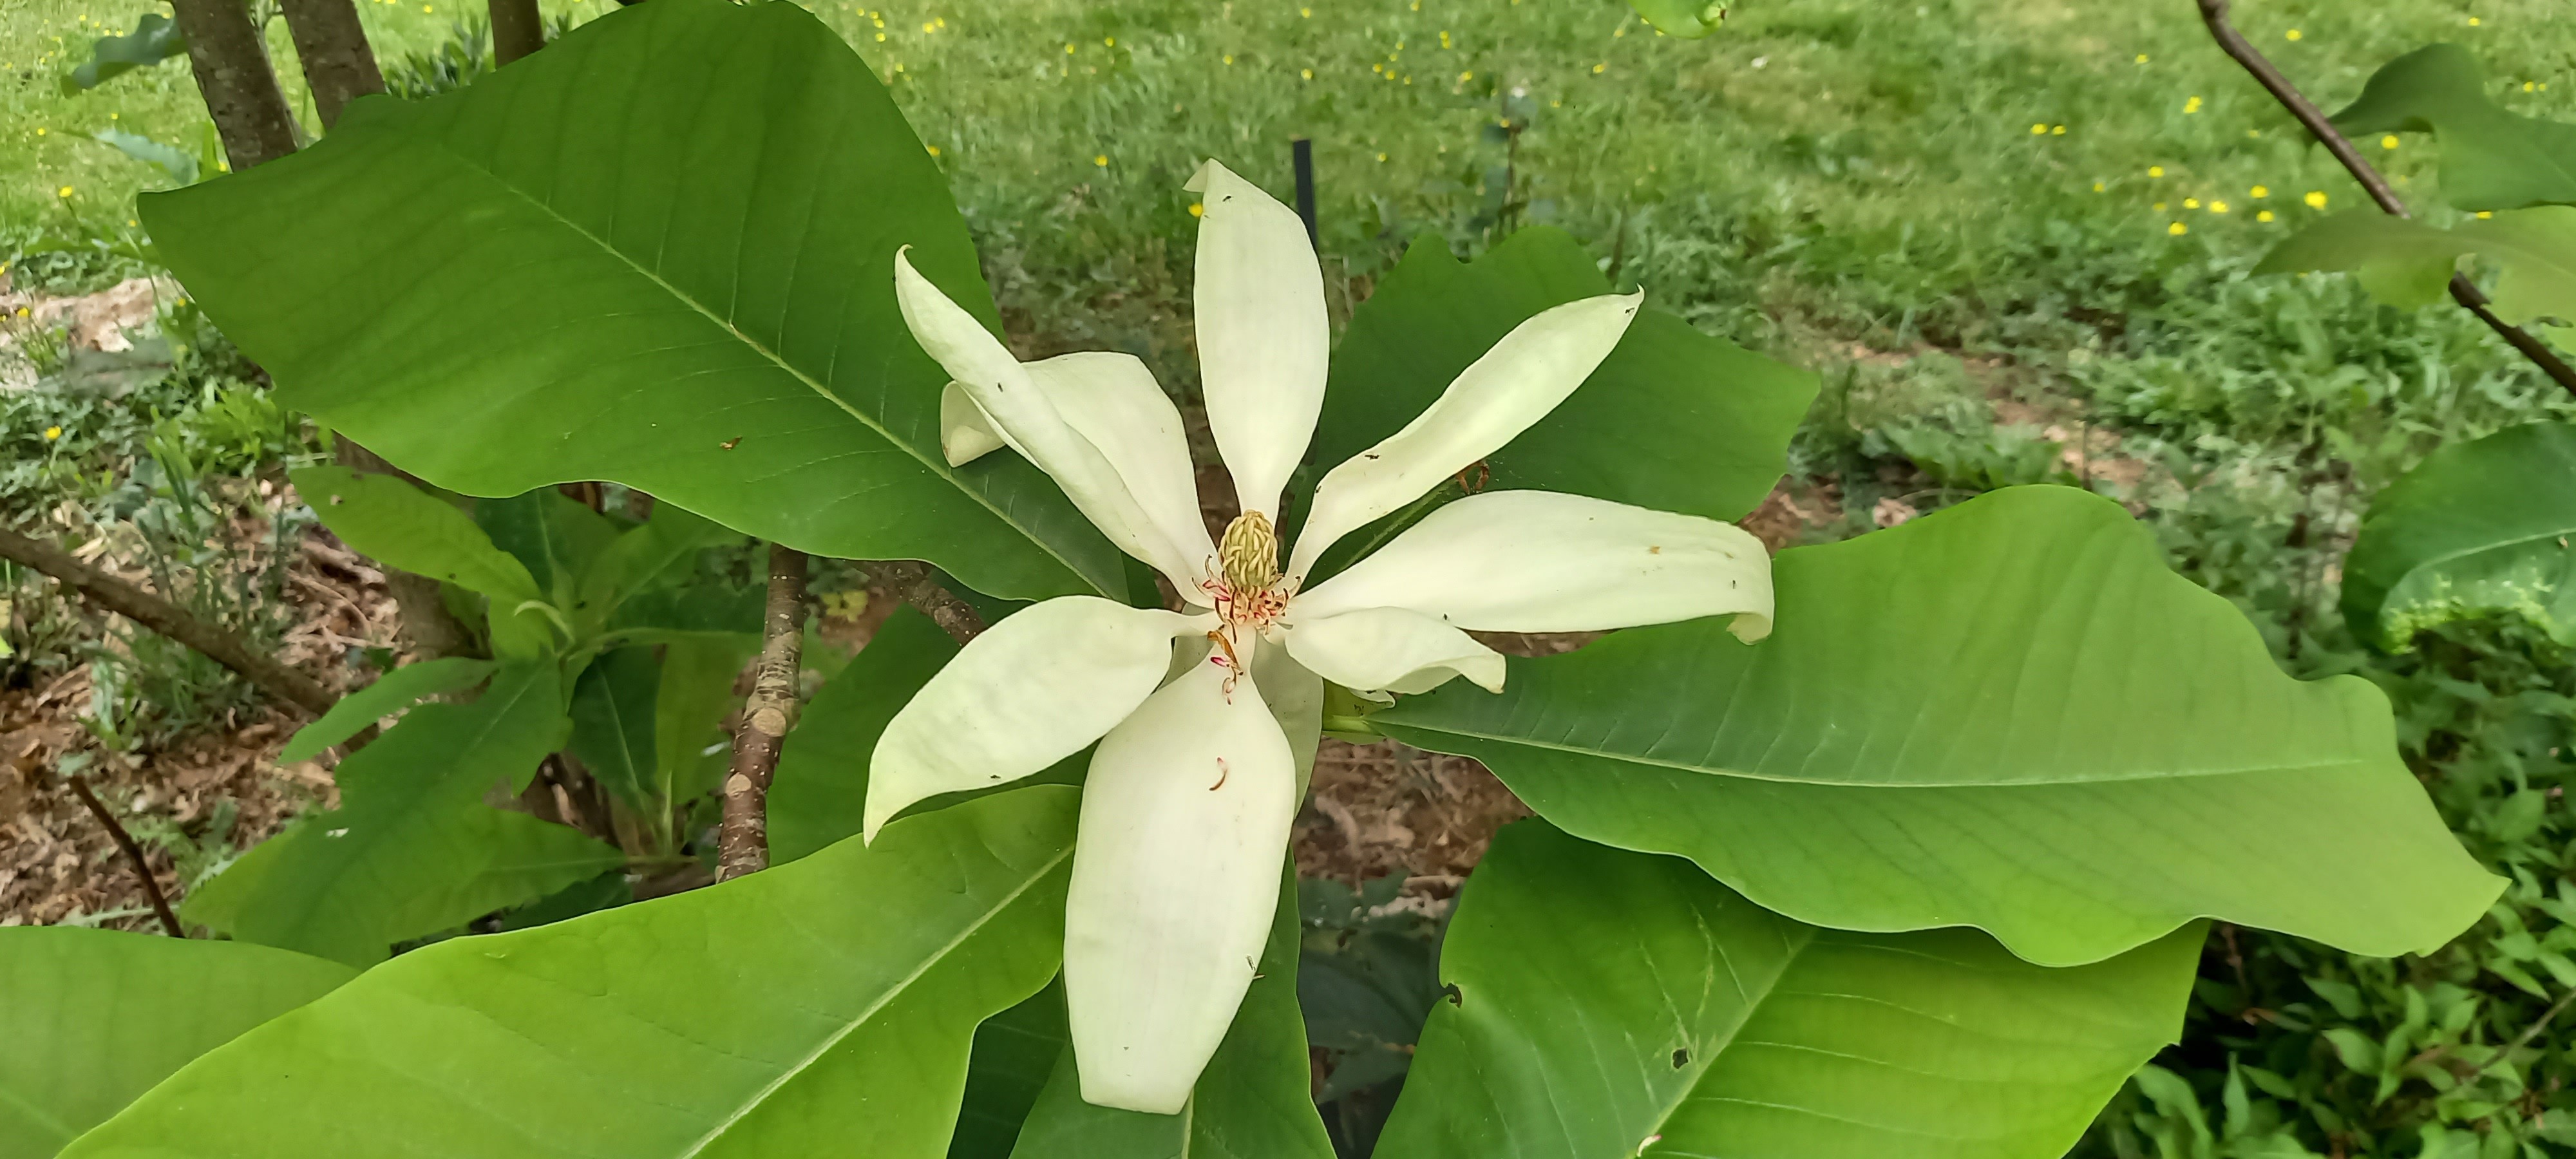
x=742, y=842
x=133, y=853
x=2463, y=291
x=169, y=620
x=915, y=583
x=2538, y=1024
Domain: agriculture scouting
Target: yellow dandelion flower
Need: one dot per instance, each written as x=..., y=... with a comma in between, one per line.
x=2388, y=141
x=1229, y=58
x=1100, y=160
x=22, y=311
x=934, y=150
x=2218, y=207
x=2191, y=106
x=2292, y=34
x=927, y=26
x=1600, y=68
x=40, y=131
x=2316, y=199
x=2158, y=207
x=1197, y=208
x=51, y=433
x=2155, y=170
x=2473, y=22
x=1068, y=48
x=1109, y=42
x=2191, y=203
x=1444, y=38
x=2484, y=214
x=426, y=9
x=881, y=38
x=1466, y=76
x=1381, y=158
x=1306, y=74
x=112, y=116
x=2099, y=187
x=2526, y=86
x=65, y=191
x=2177, y=229
x=2057, y=130
x=1305, y=13
x=2037, y=130
x=2266, y=215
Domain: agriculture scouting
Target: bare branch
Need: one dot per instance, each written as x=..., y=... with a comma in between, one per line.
x=2466, y=293
x=742, y=842
x=133, y=853
x=168, y=619
x=917, y=584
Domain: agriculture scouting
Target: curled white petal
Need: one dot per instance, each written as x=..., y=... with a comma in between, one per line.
x=1031, y=691
x=1026, y=419
x=965, y=435
x=1175, y=876
x=1513, y=386
x=1263, y=337
x=1391, y=650
x=1113, y=401
x=1541, y=561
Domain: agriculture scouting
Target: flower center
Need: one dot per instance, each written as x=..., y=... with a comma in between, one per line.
x=1248, y=589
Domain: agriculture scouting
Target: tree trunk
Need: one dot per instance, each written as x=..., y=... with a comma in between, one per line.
x=241, y=91
x=333, y=46
x=517, y=29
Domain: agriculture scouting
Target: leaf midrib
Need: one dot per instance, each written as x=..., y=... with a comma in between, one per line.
x=899, y=989
x=1748, y=775
x=936, y=466
x=1752, y=1007
x=2481, y=549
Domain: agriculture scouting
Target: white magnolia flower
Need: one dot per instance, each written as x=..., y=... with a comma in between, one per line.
x=1186, y=810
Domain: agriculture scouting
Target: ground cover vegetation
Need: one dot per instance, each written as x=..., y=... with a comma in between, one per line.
x=2017, y=245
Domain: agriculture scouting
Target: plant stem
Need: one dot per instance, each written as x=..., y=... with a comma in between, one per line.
x=338, y=65
x=2466, y=293
x=233, y=74
x=133, y=853
x=2538, y=1024
x=742, y=842
x=169, y=620
x=517, y=30
x=917, y=584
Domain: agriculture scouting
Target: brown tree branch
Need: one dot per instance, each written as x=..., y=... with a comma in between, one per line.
x=133, y=853
x=917, y=584
x=2466, y=293
x=517, y=30
x=742, y=841
x=338, y=65
x=168, y=619
x=231, y=63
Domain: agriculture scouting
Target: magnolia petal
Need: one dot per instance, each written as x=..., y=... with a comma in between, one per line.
x=1175, y=875
x=1296, y=699
x=1113, y=401
x=1020, y=412
x=1541, y=561
x=1391, y=649
x=965, y=435
x=1513, y=386
x=1031, y=691
x=1262, y=334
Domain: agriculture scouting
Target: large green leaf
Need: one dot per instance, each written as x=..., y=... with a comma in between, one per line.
x=404, y=527
x=2491, y=158
x=412, y=849
x=1252, y=1102
x=689, y=706
x=391, y=693
x=1015, y=1052
x=661, y=252
x=2477, y=528
x=1673, y=419
x=612, y=724
x=2407, y=263
x=819, y=793
x=93, y=1018
x=2006, y=715
x=1612, y=1004
x=818, y=1008
x=557, y=536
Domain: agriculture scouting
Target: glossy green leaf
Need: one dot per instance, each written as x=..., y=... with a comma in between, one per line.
x=649, y=554
x=818, y=1008
x=819, y=793
x=2491, y=158
x=2406, y=263
x=2007, y=715
x=1015, y=1052
x=1612, y=1004
x=660, y=253
x=93, y=1018
x=404, y=527
x=154, y=39
x=1673, y=419
x=555, y=535
x=2477, y=528
x=807, y=1009
x=412, y=849
x=613, y=711
x=1688, y=19
x=391, y=693
x=689, y=706
x=1252, y=1102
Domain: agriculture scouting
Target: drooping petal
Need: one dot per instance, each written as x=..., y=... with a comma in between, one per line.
x=1514, y=385
x=1175, y=875
x=1541, y=561
x=965, y=435
x=1263, y=338
x=1031, y=691
x=1028, y=421
x=1113, y=401
x=1391, y=650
